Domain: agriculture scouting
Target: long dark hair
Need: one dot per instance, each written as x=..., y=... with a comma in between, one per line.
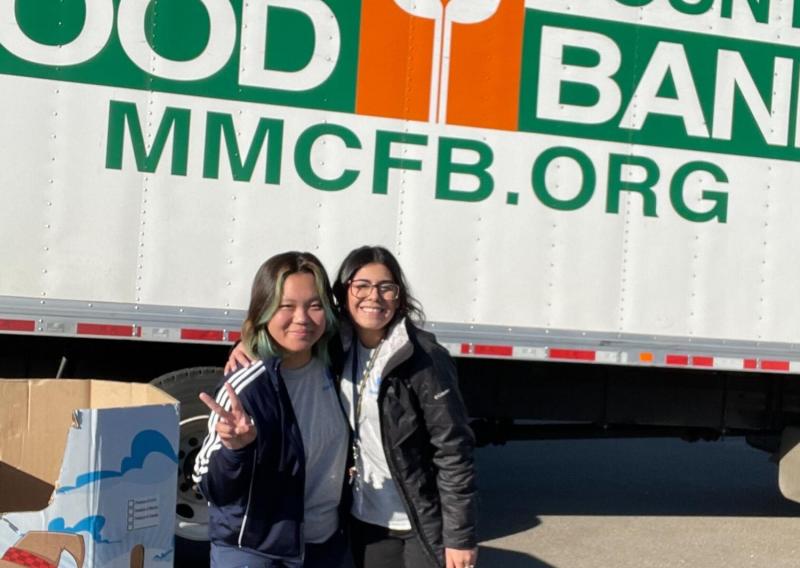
x=265, y=297
x=407, y=305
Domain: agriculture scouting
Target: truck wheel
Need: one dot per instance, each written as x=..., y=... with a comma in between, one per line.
x=191, y=528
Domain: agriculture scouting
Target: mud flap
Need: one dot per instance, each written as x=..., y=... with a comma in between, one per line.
x=789, y=464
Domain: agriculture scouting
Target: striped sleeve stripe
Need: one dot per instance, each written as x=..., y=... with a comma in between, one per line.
x=238, y=380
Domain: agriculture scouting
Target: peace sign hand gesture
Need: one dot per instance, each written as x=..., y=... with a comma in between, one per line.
x=235, y=428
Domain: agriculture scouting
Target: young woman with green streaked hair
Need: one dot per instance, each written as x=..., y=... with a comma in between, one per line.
x=273, y=464
x=265, y=298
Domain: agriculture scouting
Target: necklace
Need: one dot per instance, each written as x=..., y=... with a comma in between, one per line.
x=358, y=396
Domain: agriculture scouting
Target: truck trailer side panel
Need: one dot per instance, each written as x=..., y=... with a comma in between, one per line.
x=643, y=188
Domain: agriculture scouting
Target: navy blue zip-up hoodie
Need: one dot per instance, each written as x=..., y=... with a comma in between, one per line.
x=256, y=493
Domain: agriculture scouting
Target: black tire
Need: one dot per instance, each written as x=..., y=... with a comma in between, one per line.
x=191, y=530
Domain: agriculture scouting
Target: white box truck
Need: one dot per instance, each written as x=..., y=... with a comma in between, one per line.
x=596, y=202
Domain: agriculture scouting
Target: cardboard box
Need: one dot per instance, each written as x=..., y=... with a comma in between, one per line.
x=88, y=474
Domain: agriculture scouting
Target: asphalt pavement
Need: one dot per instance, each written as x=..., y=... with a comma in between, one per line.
x=633, y=504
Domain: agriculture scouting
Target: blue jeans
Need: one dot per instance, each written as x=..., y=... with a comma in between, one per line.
x=328, y=554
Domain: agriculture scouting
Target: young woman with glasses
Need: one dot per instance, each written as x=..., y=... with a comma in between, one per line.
x=412, y=474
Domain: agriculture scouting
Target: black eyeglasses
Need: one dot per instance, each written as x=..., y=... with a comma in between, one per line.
x=363, y=288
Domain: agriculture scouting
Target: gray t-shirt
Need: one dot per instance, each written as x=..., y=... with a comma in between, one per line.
x=376, y=499
x=324, y=432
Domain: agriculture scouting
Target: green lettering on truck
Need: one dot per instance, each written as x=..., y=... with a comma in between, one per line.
x=174, y=121
x=384, y=160
x=447, y=166
x=242, y=51
x=220, y=125
x=302, y=156
x=677, y=89
x=539, y=179
x=617, y=185
x=718, y=211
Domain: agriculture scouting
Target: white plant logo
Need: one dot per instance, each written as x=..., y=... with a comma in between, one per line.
x=444, y=13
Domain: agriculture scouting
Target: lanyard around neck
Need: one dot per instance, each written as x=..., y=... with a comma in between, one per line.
x=360, y=386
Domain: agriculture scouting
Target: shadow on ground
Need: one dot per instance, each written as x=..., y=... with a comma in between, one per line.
x=489, y=557
x=520, y=481
x=496, y=558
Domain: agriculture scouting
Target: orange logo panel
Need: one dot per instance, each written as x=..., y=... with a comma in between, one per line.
x=454, y=61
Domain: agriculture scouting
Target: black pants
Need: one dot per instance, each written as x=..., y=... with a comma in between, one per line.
x=380, y=547
x=328, y=554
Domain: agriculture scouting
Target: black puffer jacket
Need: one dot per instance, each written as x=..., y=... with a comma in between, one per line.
x=428, y=442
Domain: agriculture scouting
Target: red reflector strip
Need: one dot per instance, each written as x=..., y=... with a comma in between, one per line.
x=487, y=350
x=202, y=334
x=677, y=360
x=234, y=336
x=501, y=350
x=109, y=330
x=700, y=361
x=775, y=365
x=574, y=354
x=17, y=325
x=750, y=364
